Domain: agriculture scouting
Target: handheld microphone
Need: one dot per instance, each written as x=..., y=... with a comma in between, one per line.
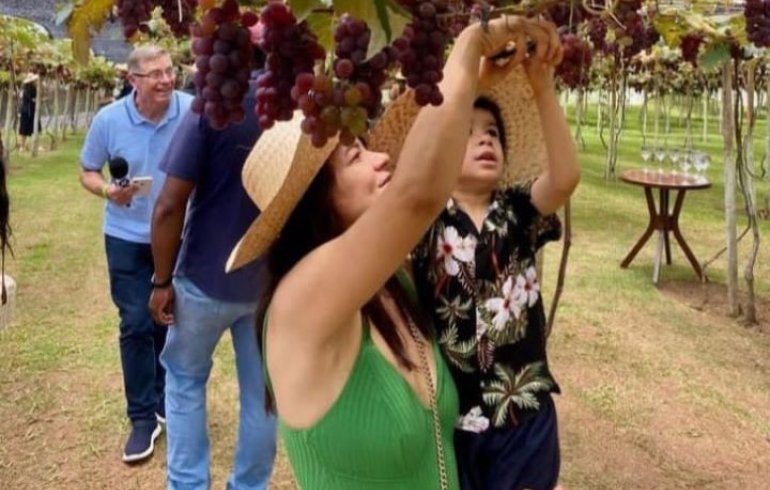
x=118, y=167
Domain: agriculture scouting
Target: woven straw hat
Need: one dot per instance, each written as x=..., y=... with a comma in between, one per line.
x=526, y=155
x=278, y=171
x=31, y=77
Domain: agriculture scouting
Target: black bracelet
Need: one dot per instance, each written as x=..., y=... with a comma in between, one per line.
x=161, y=285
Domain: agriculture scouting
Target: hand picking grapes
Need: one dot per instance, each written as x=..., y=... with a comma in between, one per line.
x=543, y=49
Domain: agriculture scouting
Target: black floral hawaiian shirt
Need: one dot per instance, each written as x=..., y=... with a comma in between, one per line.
x=484, y=296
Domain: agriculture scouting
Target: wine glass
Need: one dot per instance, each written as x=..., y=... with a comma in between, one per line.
x=686, y=162
x=646, y=153
x=701, y=162
x=660, y=156
x=674, y=155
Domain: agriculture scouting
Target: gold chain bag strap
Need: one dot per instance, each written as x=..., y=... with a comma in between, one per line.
x=425, y=368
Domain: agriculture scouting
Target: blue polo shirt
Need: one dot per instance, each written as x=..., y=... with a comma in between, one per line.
x=119, y=130
x=219, y=211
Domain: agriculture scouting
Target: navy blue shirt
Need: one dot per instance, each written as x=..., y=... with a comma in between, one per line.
x=219, y=211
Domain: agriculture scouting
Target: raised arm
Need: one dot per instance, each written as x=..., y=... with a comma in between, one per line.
x=336, y=280
x=552, y=189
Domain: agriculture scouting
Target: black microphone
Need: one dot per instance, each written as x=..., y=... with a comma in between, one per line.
x=118, y=167
x=118, y=170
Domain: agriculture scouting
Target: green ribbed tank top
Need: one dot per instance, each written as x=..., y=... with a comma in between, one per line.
x=377, y=435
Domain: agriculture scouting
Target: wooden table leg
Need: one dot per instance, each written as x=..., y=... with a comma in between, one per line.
x=665, y=222
x=651, y=226
x=658, y=258
x=678, y=234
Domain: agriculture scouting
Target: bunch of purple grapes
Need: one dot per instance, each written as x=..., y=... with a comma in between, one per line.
x=223, y=50
x=636, y=30
x=690, y=47
x=575, y=65
x=134, y=15
x=566, y=15
x=597, y=33
x=634, y=33
x=292, y=50
x=330, y=110
x=757, y=13
x=464, y=12
x=178, y=14
x=422, y=46
x=343, y=103
x=352, y=37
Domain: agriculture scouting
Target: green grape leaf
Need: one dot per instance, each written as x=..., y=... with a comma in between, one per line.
x=670, y=29
x=86, y=17
x=395, y=19
x=23, y=32
x=303, y=8
x=322, y=26
x=703, y=6
x=737, y=27
x=64, y=13
x=714, y=55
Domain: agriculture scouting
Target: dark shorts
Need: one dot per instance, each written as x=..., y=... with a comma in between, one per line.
x=525, y=457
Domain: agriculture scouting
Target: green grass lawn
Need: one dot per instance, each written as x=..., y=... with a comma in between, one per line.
x=661, y=390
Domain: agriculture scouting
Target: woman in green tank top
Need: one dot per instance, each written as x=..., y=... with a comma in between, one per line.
x=364, y=399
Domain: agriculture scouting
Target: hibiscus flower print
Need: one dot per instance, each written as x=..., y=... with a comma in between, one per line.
x=453, y=250
x=527, y=288
x=507, y=306
x=473, y=421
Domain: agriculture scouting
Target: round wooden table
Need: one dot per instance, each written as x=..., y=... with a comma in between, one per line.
x=661, y=220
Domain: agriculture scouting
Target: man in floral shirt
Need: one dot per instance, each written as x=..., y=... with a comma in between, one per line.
x=475, y=269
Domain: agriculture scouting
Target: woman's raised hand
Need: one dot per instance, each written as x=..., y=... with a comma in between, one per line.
x=508, y=32
x=540, y=68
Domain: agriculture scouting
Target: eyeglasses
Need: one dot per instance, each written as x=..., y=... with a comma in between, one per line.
x=157, y=75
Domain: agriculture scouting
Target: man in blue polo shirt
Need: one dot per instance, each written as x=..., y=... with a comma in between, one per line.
x=137, y=128
x=203, y=301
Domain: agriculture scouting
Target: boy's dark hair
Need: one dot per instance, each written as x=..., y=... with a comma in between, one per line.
x=486, y=104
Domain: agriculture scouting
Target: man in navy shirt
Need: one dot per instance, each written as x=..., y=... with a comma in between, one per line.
x=138, y=129
x=204, y=166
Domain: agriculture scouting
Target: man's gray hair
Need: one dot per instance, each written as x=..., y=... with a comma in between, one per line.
x=144, y=53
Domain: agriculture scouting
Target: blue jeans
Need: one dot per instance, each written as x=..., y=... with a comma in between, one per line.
x=200, y=322
x=141, y=339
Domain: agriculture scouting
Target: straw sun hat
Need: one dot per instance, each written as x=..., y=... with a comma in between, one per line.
x=283, y=163
x=278, y=171
x=525, y=155
x=31, y=77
